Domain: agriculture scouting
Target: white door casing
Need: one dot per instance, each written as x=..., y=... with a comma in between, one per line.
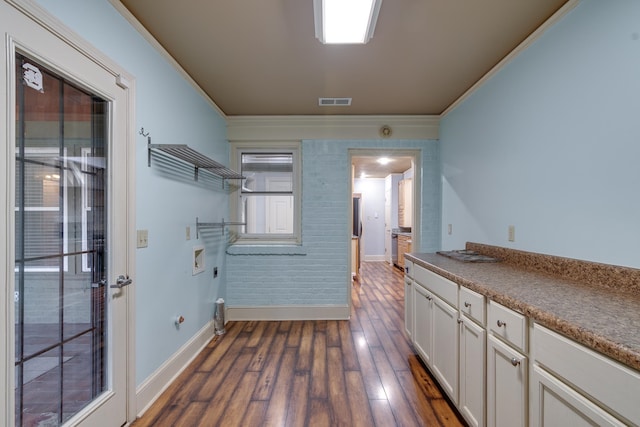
x=29, y=30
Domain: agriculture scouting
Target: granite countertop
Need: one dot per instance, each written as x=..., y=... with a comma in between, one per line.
x=595, y=313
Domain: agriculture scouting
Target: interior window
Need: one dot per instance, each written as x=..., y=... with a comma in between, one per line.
x=269, y=202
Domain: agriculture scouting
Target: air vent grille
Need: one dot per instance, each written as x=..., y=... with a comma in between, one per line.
x=334, y=102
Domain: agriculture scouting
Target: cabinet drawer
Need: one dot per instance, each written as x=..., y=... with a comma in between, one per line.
x=408, y=268
x=612, y=384
x=444, y=288
x=509, y=325
x=472, y=304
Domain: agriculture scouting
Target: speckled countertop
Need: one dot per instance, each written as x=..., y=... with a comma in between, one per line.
x=597, y=305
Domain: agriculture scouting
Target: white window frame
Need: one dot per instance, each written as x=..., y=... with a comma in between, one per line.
x=271, y=147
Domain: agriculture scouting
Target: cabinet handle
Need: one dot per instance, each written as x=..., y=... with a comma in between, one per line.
x=514, y=361
x=467, y=304
x=501, y=323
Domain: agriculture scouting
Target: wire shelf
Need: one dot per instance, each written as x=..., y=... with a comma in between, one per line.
x=191, y=156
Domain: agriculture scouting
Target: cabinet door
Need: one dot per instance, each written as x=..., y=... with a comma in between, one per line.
x=555, y=404
x=408, y=306
x=506, y=385
x=423, y=322
x=472, y=368
x=445, y=347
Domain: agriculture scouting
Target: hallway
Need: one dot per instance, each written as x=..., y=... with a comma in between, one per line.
x=361, y=372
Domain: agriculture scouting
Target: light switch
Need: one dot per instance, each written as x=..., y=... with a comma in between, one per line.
x=143, y=238
x=512, y=233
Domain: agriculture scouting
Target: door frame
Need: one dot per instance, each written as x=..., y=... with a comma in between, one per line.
x=416, y=156
x=55, y=28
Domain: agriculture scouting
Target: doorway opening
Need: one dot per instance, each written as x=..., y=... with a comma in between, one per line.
x=376, y=176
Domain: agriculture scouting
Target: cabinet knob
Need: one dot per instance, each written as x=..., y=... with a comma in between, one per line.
x=467, y=304
x=500, y=323
x=459, y=321
x=429, y=298
x=514, y=361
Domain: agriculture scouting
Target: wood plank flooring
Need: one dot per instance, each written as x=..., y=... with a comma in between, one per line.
x=357, y=372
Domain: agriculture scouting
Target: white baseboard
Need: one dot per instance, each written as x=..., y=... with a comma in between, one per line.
x=157, y=382
x=289, y=312
x=374, y=258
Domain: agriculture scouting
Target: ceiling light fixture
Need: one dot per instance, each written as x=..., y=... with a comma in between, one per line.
x=384, y=160
x=345, y=21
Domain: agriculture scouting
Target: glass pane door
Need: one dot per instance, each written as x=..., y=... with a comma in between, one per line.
x=61, y=205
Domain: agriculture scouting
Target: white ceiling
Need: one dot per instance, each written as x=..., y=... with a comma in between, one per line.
x=261, y=57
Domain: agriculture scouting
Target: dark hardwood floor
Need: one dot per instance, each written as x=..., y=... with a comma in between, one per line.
x=358, y=372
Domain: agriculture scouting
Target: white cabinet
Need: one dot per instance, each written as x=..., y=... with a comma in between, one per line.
x=506, y=367
x=508, y=325
x=444, y=362
x=506, y=385
x=499, y=375
x=472, y=369
x=423, y=322
x=556, y=404
x=436, y=327
x=571, y=382
x=408, y=306
x=472, y=305
x=408, y=299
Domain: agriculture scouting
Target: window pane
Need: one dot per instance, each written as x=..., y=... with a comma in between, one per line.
x=267, y=214
x=267, y=172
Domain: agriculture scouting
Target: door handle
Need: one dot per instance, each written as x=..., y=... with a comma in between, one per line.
x=121, y=282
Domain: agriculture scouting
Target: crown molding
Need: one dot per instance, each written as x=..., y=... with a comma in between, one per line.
x=268, y=128
x=133, y=21
x=555, y=18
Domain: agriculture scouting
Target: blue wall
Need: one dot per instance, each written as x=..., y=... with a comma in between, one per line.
x=167, y=200
x=551, y=144
x=321, y=275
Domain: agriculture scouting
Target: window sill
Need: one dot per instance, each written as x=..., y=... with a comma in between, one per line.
x=266, y=250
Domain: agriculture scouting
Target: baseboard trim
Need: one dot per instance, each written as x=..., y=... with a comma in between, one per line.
x=374, y=258
x=151, y=388
x=288, y=312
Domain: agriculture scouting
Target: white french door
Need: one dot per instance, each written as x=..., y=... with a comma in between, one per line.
x=67, y=217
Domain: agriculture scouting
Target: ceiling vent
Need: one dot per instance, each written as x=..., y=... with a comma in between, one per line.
x=334, y=102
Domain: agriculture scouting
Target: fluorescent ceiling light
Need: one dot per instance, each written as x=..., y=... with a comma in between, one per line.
x=345, y=21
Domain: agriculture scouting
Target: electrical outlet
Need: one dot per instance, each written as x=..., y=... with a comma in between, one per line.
x=143, y=238
x=449, y=229
x=512, y=233
x=16, y=296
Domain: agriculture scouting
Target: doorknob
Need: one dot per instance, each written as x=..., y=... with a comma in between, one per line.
x=121, y=282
